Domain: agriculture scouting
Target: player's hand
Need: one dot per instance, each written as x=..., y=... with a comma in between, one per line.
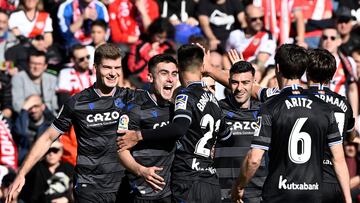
x=15, y=188
x=153, y=179
x=128, y=139
x=213, y=43
x=60, y=200
x=237, y=193
x=234, y=56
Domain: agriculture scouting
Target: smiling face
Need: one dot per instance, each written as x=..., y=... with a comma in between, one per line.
x=108, y=73
x=241, y=86
x=164, y=79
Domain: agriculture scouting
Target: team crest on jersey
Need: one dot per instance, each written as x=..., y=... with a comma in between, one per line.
x=180, y=102
x=119, y=103
x=40, y=25
x=256, y=41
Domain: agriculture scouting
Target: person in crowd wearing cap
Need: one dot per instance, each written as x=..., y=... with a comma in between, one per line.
x=344, y=25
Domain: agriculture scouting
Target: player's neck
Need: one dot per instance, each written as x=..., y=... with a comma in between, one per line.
x=189, y=77
x=104, y=91
x=288, y=82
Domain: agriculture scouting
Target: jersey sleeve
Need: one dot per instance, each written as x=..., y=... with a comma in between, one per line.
x=183, y=106
x=134, y=117
x=333, y=134
x=63, y=121
x=262, y=135
x=224, y=131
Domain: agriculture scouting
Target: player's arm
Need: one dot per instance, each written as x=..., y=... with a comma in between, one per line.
x=38, y=150
x=341, y=170
x=353, y=96
x=334, y=141
x=149, y=173
x=172, y=131
x=249, y=166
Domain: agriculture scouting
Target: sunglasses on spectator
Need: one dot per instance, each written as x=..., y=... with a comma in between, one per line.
x=256, y=18
x=53, y=150
x=83, y=58
x=333, y=38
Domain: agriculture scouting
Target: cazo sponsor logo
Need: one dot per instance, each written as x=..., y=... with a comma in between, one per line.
x=101, y=117
x=296, y=186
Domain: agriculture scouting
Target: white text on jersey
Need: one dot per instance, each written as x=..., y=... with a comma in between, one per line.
x=334, y=101
x=298, y=102
x=205, y=98
x=296, y=186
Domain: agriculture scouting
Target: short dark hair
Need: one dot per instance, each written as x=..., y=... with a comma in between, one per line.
x=75, y=48
x=101, y=23
x=37, y=53
x=190, y=57
x=159, y=59
x=322, y=66
x=107, y=51
x=161, y=25
x=292, y=60
x=242, y=67
x=356, y=50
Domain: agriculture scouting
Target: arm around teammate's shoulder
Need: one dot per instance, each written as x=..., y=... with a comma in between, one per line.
x=341, y=170
x=38, y=150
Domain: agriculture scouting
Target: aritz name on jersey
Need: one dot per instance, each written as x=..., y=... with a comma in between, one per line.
x=298, y=102
x=205, y=98
x=195, y=166
x=296, y=186
x=242, y=125
x=333, y=100
x=156, y=125
x=99, y=119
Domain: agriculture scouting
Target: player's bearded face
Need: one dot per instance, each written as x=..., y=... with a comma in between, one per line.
x=165, y=80
x=241, y=85
x=109, y=72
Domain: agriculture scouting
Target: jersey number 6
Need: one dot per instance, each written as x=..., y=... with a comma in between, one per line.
x=299, y=147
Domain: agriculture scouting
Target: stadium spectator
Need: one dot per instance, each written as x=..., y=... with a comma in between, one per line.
x=354, y=6
x=5, y=94
x=7, y=38
x=158, y=40
x=255, y=44
x=35, y=80
x=50, y=180
x=317, y=16
x=75, y=19
x=30, y=22
x=284, y=19
x=98, y=35
x=344, y=25
x=353, y=164
x=344, y=80
x=31, y=122
x=218, y=18
x=130, y=18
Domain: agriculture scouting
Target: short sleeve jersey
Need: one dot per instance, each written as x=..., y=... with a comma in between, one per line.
x=229, y=155
x=295, y=126
x=146, y=113
x=192, y=157
x=95, y=119
x=344, y=118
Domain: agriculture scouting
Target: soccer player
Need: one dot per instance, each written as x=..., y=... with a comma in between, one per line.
x=149, y=163
x=197, y=122
x=319, y=73
x=294, y=128
x=94, y=112
x=241, y=113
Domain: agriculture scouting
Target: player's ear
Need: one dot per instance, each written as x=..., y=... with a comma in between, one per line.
x=150, y=77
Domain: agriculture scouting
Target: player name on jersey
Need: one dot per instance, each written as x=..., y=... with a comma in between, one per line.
x=334, y=101
x=298, y=102
x=205, y=98
x=283, y=184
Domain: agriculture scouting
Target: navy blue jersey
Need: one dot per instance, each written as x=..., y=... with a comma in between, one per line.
x=145, y=113
x=95, y=119
x=230, y=155
x=295, y=126
x=192, y=157
x=344, y=118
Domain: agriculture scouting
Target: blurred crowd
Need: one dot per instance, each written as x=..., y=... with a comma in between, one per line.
x=47, y=52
